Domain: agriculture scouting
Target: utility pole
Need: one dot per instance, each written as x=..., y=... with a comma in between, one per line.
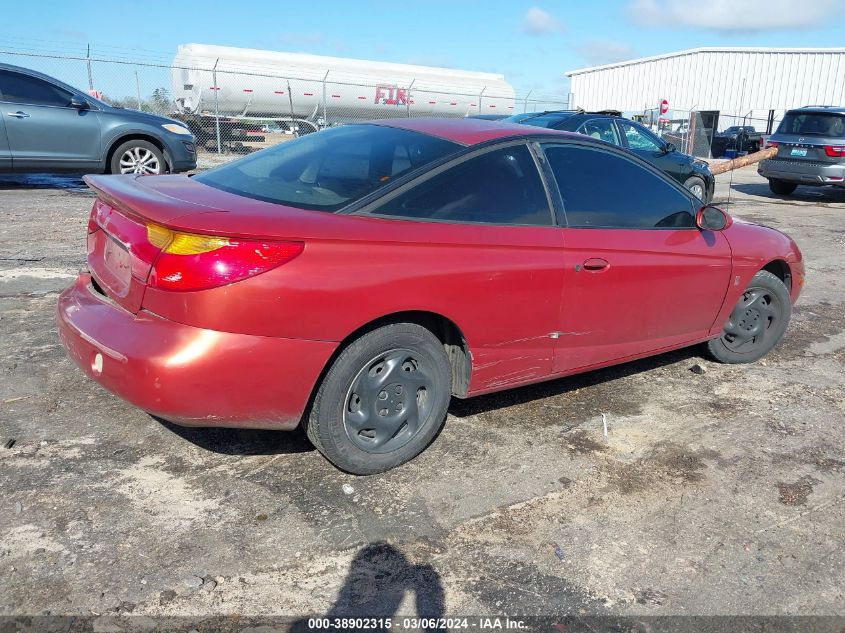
x=216, y=105
x=294, y=125
x=138, y=89
x=325, y=120
x=90, y=77
x=408, y=98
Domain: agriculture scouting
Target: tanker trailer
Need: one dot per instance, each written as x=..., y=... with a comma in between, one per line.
x=300, y=93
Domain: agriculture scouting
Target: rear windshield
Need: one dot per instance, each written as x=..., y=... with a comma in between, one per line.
x=813, y=124
x=546, y=120
x=328, y=170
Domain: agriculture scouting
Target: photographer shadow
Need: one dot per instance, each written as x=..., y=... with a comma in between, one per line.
x=378, y=578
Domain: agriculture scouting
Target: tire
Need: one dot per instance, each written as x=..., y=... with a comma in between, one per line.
x=696, y=187
x=781, y=187
x=137, y=157
x=363, y=423
x=756, y=324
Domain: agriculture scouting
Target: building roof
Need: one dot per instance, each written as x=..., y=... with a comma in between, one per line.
x=705, y=49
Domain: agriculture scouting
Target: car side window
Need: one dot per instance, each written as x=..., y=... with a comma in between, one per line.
x=635, y=199
x=26, y=90
x=602, y=129
x=501, y=186
x=637, y=139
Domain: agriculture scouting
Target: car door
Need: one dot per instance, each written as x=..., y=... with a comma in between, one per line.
x=5, y=155
x=638, y=275
x=43, y=130
x=651, y=148
x=480, y=244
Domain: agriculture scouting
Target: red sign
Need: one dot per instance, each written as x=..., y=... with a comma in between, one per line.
x=391, y=95
x=664, y=106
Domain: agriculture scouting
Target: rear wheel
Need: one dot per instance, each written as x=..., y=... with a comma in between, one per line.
x=696, y=187
x=781, y=187
x=383, y=400
x=137, y=157
x=756, y=324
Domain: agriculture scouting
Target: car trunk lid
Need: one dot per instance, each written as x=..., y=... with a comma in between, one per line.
x=120, y=251
x=129, y=210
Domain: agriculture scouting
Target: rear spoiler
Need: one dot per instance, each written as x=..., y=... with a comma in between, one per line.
x=129, y=194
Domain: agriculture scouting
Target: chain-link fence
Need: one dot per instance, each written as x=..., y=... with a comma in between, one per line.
x=684, y=129
x=237, y=111
x=710, y=134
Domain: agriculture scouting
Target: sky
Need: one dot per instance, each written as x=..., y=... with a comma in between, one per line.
x=532, y=43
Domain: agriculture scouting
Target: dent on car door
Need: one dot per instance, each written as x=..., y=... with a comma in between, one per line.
x=483, y=249
x=43, y=130
x=639, y=276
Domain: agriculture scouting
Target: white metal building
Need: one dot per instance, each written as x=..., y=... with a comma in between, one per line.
x=724, y=84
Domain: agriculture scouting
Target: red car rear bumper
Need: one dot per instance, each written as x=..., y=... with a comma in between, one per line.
x=189, y=375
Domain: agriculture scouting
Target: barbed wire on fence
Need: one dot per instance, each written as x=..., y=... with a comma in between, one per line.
x=245, y=108
x=240, y=109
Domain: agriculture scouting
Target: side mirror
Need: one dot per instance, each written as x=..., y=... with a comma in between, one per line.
x=79, y=103
x=712, y=218
x=669, y=148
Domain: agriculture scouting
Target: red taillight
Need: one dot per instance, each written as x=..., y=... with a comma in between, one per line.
x=835, y=151
x=772, y=143
x=198, y=262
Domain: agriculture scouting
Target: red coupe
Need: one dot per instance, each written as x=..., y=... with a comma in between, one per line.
x=355, y=279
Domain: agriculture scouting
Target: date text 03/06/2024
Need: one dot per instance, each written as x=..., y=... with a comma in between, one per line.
x=480, y=623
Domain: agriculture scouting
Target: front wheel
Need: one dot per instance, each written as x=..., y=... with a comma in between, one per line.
x=781, y=187
x=756, y=324
x=138, y=157
x=383, y=400
x=696, y=187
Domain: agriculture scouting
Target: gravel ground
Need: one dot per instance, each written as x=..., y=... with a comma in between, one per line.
x=714, y=493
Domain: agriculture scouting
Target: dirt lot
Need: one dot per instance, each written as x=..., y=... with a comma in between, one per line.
x=719, y=493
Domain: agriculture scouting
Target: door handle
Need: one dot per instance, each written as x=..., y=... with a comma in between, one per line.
x=18, y=114
x=596, y=264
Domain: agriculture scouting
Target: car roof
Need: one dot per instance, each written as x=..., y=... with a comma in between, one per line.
x=22, y=69
x=40, y=75
x=469, y=131
x=819, y=109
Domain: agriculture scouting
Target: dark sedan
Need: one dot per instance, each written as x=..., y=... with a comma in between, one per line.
x=612, y=128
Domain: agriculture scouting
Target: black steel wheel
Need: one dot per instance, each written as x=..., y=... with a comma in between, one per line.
x=757, y=323
x=383, y=400
x=387, y=401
